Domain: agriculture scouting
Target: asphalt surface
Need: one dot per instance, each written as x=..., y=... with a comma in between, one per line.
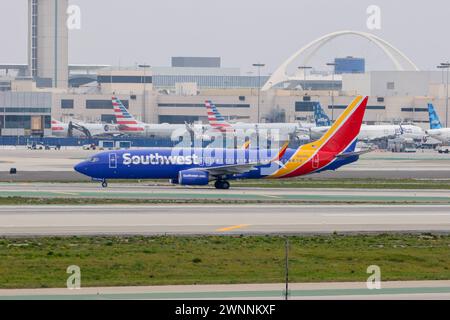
x=149, y=192
x=216, y=219
x=344, y=290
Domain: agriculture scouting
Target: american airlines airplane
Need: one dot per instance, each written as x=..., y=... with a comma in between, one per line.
x=129, y=125
x=199, y=166
x=61, y=129
x=218, y=122
x=436, y=130
x=368, y=132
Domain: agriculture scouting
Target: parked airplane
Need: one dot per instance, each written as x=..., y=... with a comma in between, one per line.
x=199, y=166
x=80, y=128
x=129, y=125
x=436, y=130
x=368, y=132
x=218, y=122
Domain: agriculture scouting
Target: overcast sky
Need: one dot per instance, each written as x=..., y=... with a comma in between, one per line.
x=242, y=32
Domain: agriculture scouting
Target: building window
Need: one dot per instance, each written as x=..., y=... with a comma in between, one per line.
x=27, y=110
x=124, y=79
x=409, y=109
x=380, y=99
x=304, y=106
x=67, y=104
x=108, y=118
x=201, y=105
x=390, y=85
x=241, y=98
x=18, y=122
x=102, y=104
x=306, y=98
x=342, y=107
x=178, y=119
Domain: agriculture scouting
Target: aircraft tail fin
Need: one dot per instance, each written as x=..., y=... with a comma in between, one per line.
x=320, y=117
x=215, y=118
x=57, y=125
x=342, y=136
x=124, y=118
x=121, y=113
x=435, y=123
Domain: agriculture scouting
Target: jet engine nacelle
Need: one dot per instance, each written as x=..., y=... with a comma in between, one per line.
x=193, y=178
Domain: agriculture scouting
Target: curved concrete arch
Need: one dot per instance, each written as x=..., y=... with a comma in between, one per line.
x=400, y=60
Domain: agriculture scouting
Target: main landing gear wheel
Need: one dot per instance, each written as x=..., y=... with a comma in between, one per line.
x=104, y=184
x=221, y=184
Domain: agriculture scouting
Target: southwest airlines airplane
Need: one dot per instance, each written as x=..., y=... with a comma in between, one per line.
x=61, y=129
x=199, y=166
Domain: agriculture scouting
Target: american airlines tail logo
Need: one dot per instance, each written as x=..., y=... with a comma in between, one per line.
x=124, y=119
x=157, y=159
x=216, y=120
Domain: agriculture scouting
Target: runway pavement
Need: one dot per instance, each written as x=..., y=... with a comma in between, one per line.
x=216, y=219
x=144, y=191
x=344, y=290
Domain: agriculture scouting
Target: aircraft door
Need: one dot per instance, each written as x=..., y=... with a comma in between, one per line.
x=315, y=161
x=113, y=161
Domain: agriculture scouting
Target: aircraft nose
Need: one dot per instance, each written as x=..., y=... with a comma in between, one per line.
x=81, y=167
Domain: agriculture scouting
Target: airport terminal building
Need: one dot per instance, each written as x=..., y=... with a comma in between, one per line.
x=49, y=87
x=395, y=97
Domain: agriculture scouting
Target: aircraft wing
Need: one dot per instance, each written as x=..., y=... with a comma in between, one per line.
x=232, y=168
x=243, y=167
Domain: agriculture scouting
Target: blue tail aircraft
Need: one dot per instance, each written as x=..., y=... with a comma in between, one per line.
x=435, y=123
x=199, y=166
x=320, y=117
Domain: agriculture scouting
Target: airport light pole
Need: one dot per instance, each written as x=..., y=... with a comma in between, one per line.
x=286, y=294
x=332, y=64
x=304, y=68
x=259, y=66
x=144, y=81
x=445, y=65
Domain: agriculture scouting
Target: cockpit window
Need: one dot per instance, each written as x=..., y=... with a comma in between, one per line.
x=94, y=159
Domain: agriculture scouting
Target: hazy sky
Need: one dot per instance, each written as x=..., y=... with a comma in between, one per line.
x=240, y=31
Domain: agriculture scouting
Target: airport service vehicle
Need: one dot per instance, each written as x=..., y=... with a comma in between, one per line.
x=199, y=166
x=443, y=149
x=436, y=130
x=218, y=122
x=41, y=146
x=368, y=132
x=35, y=146
x=400, y=144
x=89, y=146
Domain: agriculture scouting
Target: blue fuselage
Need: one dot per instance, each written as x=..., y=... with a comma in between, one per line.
x=166, y=163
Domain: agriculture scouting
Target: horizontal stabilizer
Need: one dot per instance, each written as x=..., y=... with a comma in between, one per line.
x=355, y=153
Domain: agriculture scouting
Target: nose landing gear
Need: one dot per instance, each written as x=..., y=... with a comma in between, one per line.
x=104, y=184
x=222, y=184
